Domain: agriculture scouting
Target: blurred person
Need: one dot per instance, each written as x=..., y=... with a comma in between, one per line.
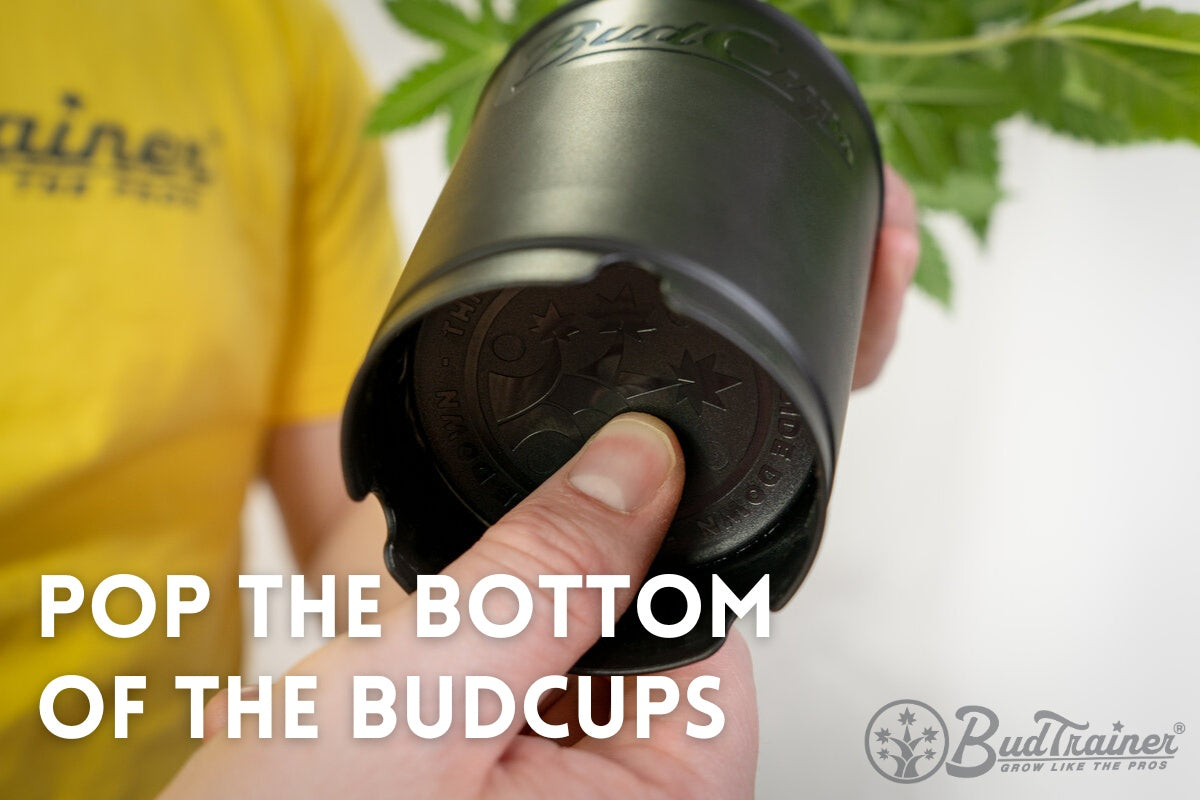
x=196, y=248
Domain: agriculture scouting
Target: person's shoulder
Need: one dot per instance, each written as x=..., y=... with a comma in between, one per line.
x=299, y=27
x=280, y=51
x=303, y=21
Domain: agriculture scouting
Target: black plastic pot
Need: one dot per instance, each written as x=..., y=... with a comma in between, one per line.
x=666, y=206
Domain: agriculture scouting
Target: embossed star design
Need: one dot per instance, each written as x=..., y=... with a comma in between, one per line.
x=700, y=382
x=552, y=325
x=621, y=315
x=607, y=368
x=1118, y=727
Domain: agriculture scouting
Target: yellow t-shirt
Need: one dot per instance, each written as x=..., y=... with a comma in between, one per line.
x=194, y=248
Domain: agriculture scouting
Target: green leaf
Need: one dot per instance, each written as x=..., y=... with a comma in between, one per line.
x=934, y=116
x=971, y=195
x=927, y=146
x=970, y=186
x=933, y=273
x=442, y=22
x=1059, y=97
x=1089, y=124
x=796, y=6
x=491, y=24
x=487, y=11
x=427, y=88
x=879, y=21
x=975, y=190
x=966, y=88
x=1152, y=28
x=993, y=11
x=1038, y=69
x=1040, y=9
x=916, y=141
x=814, y=14
x=527, y=12
x=842, y=11
x=938, y=75
x=1142, y=67
x=462, y=112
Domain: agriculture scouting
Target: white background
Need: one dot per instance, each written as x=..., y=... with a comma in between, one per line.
x=1016, y=507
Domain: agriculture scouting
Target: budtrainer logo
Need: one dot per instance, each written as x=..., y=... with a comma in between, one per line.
x=906, y=741
x=68, y=151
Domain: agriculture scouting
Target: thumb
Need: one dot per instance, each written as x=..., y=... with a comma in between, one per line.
x=604, y=513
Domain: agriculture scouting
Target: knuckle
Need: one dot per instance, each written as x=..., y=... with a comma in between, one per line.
x=552, y=540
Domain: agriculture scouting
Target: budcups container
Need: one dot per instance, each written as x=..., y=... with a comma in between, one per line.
x=666, y=206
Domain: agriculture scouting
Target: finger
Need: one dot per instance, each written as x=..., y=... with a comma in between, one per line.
x=216, y=711
x=604, y=513
x=727, y=766
x=899, y=202
x=216, y=715
x=895, y=263
x=896, y=256
x=562, y=708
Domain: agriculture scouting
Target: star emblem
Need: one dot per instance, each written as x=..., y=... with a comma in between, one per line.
x=883, y=735
x=607, y=374
x=929, y=734
x=908, y=718
x=701, y=383
x=552, y=325
x=884, y=755
x=621, y=315
x=1118, y=727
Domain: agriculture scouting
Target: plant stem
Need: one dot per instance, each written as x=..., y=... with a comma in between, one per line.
x=928, y=95
x=988, y=41
x=929, y=47
x=1115, y=36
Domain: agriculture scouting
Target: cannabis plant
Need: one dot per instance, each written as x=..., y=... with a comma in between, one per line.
x=938, y=75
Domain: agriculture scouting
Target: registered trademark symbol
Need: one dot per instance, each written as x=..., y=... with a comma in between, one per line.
x=1180, y=728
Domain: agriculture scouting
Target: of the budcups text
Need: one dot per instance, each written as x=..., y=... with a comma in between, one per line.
x=472, y=706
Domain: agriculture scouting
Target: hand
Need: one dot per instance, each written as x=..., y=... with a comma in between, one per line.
x=332, y=534
x=605, y=512
x=896, y=257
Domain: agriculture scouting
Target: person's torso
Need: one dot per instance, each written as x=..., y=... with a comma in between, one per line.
x=146, y=164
